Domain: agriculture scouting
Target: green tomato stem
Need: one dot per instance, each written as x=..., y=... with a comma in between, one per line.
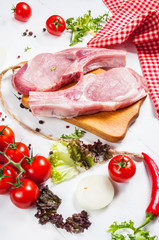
x=17, y=165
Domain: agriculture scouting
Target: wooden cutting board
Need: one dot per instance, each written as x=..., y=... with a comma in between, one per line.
x=111, y=126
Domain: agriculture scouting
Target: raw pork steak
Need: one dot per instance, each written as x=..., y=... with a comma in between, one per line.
x=108, y=91
x=48, y=72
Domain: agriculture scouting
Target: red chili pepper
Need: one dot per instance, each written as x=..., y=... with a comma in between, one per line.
x=152, y=210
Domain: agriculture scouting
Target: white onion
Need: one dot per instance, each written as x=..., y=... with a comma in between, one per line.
x=95, y=192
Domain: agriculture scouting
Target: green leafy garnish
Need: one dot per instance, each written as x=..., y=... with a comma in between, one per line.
x=26, y=49
x=81, y=156
x=47, y=212
x=76, y=135
x=142, y=235
x=67, y=155
x=62, y=165
x=137, y=235
x=52, y=69
x=84, y=25
x=114, y=227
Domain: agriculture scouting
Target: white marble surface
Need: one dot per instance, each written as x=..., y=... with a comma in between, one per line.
x=130, y=199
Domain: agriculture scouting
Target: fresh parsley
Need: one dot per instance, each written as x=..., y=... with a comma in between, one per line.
x=83, y=25
x=26, y=49
x=137, y=235
x=76, y=135
x=52, y=69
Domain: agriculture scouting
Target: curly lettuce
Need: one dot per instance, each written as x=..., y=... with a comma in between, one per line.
x=81, y=156
x=62, y=165
x=47, y=212
x=83, y=25
x=68, y=156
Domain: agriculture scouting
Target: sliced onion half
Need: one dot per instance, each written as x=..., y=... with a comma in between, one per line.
x=95, y=192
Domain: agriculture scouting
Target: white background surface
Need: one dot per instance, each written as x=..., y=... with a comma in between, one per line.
x=131, y=199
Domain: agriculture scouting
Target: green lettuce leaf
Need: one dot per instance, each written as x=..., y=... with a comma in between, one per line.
x=62, y=165
x=66, y=156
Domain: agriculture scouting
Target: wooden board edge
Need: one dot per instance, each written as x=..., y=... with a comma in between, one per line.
x=111, y=138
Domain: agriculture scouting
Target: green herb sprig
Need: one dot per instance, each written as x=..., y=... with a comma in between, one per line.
x=53, y=68
x=66, y=156
x=85, y=24
x=26, y=49
x=137, y=235
x=76, y=135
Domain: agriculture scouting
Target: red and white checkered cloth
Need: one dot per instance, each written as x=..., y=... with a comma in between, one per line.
x=141, y=19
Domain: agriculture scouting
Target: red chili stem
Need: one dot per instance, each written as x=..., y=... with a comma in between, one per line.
x=152, y=210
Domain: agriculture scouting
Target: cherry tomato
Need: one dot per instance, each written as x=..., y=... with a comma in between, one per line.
x=26, y=195
x=55, y=25
x=6, y=136
x=10, y=174
x=121, y=168
x=39, y=170
x=16, y=152
x=22, y=12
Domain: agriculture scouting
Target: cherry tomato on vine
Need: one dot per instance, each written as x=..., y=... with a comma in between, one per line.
x=26, y=195
x=121, y=168
x=39, y=170
x=22, y=12
x=55, y=25
x=16, y=152
x=6, y=136
x=7, y=176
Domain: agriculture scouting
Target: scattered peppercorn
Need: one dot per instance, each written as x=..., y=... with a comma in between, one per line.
x=18, y=56
x=29, y=146
x=30, y=33
x=51, y=152
x=22, y=106
x=41, y=121
x=44, y=29
x=37, y=130
x=67, y=126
